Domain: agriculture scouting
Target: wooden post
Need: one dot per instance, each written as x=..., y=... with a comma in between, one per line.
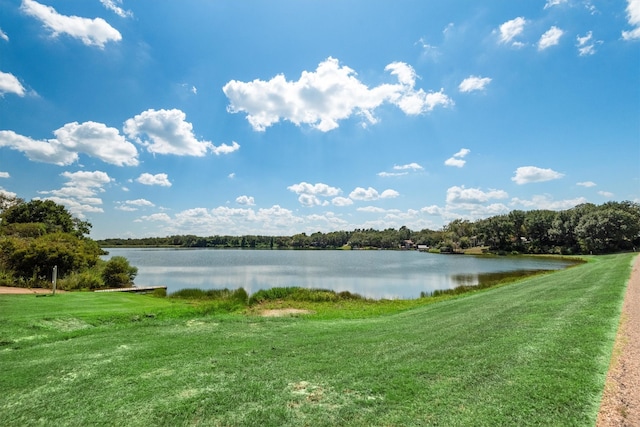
x=54, y=278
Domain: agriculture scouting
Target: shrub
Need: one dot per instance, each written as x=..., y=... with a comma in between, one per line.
x=118, y=273
x=88, y=279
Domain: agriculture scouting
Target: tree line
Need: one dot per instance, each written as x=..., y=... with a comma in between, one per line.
x=586, y=228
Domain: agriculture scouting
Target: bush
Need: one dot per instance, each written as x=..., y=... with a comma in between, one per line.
x=88, y=279
x=118, y=273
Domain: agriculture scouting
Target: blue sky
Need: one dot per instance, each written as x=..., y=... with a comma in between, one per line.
x=152, y=118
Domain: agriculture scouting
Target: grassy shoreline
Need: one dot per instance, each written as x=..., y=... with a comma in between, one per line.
x=534, y=352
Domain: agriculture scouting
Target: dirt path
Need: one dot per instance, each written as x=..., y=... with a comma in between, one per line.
x=11, y=290
x=621, y=400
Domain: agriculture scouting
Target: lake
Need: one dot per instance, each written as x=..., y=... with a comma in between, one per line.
x=372, y=274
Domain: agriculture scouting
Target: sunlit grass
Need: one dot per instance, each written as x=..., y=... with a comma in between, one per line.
x=531, y=353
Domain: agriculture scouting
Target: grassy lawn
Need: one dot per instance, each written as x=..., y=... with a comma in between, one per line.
x=535, y=352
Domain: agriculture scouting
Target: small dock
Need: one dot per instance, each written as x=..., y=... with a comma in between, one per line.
x=140, y=289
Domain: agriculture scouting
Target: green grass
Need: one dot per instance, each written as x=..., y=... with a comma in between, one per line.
x=534, y=352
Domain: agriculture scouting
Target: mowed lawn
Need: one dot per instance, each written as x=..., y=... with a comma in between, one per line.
x=535, y=352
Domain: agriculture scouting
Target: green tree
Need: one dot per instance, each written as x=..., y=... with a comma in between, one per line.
x=118, y=273
x=55, y=217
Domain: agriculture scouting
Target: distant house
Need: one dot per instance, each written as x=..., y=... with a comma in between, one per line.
x=423, y=247
x=407, y=244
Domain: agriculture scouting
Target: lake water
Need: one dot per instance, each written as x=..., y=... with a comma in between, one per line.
x=372, y=274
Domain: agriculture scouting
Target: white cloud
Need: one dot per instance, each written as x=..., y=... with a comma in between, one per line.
x=550, y=38
x=4, y=175
x=551, y=3
x=341, y=201
x=140, y=202
x=411, y=166
x=92, y=32
x=245, y=200
x=408, y=167
x=97, y=140
x=200, y=221
x=166, y=132
x=432, y=210
x=318, y=189
x=225, y=149
x=309, y=194
x=10, y=84
x=160, y=217
x=231, y=175
x=462, y=195
x=49, y=151
x=371, y=193
x=607, y=194
x=586, y=184
x=327, y=95
x=389, y=174
x=134, y=205
x=8, y=194
x=529, y=174
x=457, y=159
x=633, y=17
x=511, y=29
x=472, y=83
x=546, y=202
x=371, y=209
x=585, y=44
x=4, y=35
x=161, y=179
x=79, y=193
x=90, y=138
x=113, y=5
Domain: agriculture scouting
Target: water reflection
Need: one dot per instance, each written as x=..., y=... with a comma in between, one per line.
x=372, y=274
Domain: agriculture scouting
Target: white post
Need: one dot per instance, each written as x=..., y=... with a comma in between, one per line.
x=54, y=278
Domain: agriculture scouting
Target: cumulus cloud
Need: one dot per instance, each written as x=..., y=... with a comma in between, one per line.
x=92, y=32
x=586, y=184
x=473, y=83
x=167, y=132
x=225, y=149
x=309, y=194
x=341, y=201
x=633, y=17
x=550, y=38
x=511, y=29
x=10, y=84
x=457, y=195
x=90, y=138
x=79, y=193
x=4, y=35
x=161, y=179
x=457, y=159
x=4, y=175
x=245, y=200
x=529, y=174
x=327, y=95
x=114, y=6
x=97, y=140
x=607, y=194
x=369, y=194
